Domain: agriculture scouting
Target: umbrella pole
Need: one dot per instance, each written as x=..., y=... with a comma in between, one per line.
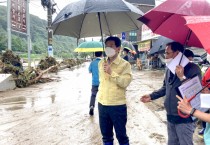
x=102, y=39
x=185, y=44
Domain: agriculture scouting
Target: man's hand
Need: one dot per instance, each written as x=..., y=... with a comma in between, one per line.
x=184, y=105
x=107, y=68
x=179, y=72
x=145, y=98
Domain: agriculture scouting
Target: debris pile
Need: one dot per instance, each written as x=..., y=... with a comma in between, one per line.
x=48, y=62
x=11, y=64
x=68, y=63
x=24, y=78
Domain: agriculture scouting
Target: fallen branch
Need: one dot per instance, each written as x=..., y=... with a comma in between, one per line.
x=33, y=81
x=63, y=67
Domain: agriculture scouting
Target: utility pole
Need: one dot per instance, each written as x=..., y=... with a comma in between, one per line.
x=49, y=28
x=9, y=24
x=50, y=12
x=28, y=33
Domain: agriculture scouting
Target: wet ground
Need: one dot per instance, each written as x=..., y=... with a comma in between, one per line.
x=56, y=113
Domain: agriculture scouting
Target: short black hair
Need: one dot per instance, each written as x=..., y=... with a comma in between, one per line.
x=126, y=50
x=176, y=46
x=98, y=53
x=115, y=39
x=188, y=53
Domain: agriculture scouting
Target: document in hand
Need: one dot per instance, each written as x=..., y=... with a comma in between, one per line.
x=205, y=100
x=172, y=65
x=191, y=88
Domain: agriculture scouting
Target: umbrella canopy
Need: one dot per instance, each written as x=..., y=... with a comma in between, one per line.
x=143, y=2
x=167, y=19
x=200, y=25
x=90, y=46
x=88, y=18
x=128, y=45
x=159, y=45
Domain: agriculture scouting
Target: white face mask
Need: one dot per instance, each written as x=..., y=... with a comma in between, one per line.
x=110, y=52
x=167, y=61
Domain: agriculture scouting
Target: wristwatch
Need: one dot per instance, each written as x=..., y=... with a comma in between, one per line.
x=192, y=111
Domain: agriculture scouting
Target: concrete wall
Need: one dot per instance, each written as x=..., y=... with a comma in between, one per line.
x=6, y=82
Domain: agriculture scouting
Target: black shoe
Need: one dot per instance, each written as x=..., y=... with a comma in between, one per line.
x=91, y=112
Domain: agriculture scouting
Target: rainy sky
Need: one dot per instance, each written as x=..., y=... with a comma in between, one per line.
x=37, y=9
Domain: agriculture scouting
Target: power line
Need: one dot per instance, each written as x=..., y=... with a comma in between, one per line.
x=56, y=5
x=39, y=6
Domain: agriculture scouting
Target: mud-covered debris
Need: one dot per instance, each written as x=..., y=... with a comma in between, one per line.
x=69, y=63
x=1, y=64
x=23, y=78
x=10, y=58
x=10, y=63
x=48, y=62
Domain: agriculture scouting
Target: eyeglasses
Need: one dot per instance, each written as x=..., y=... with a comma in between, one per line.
x=167, y=53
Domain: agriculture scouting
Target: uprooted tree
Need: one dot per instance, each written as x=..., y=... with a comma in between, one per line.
x=11, y=64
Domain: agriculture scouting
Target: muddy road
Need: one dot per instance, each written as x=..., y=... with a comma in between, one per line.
x=56, y=113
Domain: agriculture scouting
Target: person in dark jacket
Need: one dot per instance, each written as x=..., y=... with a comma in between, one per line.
x=189, y=54
x=180, y=130
x=125, y=52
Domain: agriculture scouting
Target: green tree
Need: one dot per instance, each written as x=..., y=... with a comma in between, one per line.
x=63, y=46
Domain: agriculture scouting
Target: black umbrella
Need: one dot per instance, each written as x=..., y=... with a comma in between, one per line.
x=88, y=18
x=160, y=44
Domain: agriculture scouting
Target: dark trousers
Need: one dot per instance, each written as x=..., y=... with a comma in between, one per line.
x=94, y=91
x=113, y=117
x=180, y=134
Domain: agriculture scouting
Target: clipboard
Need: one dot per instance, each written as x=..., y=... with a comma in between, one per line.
x=191, y=90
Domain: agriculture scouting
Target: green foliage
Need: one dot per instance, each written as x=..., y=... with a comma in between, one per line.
x=33, y=56
x=62, y=46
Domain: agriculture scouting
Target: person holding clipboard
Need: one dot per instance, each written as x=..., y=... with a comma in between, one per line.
x=185, y=107
x=180, y=130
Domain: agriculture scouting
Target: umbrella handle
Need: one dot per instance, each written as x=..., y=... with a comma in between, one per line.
x=185, y=115
x=182, y=115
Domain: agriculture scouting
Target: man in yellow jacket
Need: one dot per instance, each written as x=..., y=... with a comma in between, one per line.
x=115, y=76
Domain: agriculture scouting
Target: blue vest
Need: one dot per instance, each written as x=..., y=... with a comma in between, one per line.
x=93, y=68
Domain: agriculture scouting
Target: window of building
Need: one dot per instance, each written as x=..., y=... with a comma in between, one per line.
x=132, y=36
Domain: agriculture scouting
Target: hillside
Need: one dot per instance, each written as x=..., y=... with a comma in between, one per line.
x=63, y=46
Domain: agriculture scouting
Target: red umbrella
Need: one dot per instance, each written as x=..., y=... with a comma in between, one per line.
x=167, y=19
x=200, y=25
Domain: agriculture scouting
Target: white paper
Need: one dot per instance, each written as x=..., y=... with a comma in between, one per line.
x=172, y=65
x=189, y=89
x=205, y=100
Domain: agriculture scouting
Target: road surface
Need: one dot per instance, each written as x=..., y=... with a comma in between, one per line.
x=56, y=113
